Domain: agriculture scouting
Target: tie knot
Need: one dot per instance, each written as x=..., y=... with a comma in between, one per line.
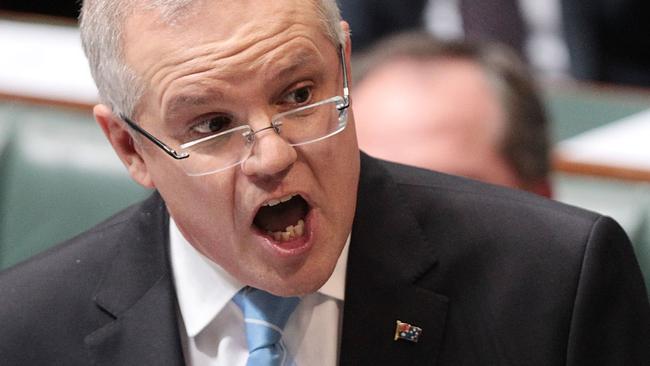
x=265, y=316
x=261, y=305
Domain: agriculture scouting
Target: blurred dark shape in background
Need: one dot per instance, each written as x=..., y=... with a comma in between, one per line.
x=59, y=8
x=607, y=40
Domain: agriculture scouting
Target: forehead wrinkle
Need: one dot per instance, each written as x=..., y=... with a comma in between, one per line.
x=283, y=67
x=240, y=42
x=221, y=58
x=264, y=61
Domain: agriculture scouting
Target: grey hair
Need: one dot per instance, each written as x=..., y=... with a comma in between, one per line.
x=102, y=36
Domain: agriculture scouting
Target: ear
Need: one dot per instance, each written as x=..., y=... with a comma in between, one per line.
x=122, y=141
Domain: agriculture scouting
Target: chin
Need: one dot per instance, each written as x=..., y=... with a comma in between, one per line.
x=300, y=283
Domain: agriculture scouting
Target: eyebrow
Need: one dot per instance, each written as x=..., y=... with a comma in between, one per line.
x=182, y=101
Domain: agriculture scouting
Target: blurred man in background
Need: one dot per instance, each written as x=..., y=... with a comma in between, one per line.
x=460, y=108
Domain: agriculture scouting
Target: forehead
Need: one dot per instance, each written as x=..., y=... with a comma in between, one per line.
x=226, y=18
x=238, y=32
x=441, y=99
x=439, y=114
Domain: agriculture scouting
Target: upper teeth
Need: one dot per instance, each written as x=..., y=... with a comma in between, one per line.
x=274, y=202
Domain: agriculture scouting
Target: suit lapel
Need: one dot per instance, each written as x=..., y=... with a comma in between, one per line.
x=388, y=255
x=137, y=291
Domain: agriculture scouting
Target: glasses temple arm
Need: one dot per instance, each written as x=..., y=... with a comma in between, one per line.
x=346, y=87
x=171, y=152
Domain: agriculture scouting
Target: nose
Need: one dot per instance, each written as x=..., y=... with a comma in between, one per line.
x=271, y=154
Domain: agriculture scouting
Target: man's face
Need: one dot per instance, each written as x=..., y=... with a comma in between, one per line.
x=441, y=115
x=250, y=59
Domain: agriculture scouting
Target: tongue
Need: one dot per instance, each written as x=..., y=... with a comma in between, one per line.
x=278, y=217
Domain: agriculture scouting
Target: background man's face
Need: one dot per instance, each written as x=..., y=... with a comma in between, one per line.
x=441, y=115
x=248, y=58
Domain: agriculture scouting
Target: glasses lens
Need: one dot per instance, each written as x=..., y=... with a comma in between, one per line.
x=300, y=126
x=313, y=123
x=218, y=152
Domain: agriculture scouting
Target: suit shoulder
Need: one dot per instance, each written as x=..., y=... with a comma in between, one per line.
x=476, y=217
x=419, y=183
x=463, y=218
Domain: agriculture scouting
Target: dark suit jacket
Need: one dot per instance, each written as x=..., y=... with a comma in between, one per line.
x=493, y=276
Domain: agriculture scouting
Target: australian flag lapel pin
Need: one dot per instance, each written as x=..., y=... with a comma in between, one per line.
x=407, y=332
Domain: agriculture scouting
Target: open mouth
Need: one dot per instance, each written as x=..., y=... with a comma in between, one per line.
x=283, y=219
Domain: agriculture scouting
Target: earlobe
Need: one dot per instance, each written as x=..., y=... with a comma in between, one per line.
x=126, y=149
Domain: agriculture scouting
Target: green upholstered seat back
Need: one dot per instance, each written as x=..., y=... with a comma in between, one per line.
x=58, y=177
x=575, y=110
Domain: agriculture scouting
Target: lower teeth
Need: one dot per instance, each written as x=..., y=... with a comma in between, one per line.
x=290, y=233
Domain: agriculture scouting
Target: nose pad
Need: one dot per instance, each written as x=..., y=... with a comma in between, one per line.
x=270, y=154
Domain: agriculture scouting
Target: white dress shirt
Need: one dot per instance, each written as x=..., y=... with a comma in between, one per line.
x=212, y=326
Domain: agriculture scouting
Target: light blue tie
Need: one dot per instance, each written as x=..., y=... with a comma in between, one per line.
x=265, y=316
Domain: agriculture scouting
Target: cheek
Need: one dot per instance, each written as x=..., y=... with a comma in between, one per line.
x=336, y=166
x=197, y=203
x=204, y=210
x=334, y=160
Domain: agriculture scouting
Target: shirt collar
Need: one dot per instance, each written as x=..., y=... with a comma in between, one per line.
x=203, y=288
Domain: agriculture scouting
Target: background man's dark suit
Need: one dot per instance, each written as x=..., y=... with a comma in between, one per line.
x=63, y=8
x=608, y=40
x=372, y=20
x=483, y=20
x=494, y=277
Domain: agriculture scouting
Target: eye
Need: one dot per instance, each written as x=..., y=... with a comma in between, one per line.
x=298, y=96
x=213, y=124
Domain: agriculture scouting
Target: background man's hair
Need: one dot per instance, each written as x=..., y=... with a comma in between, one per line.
x=525, y=143
x=102, y=33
